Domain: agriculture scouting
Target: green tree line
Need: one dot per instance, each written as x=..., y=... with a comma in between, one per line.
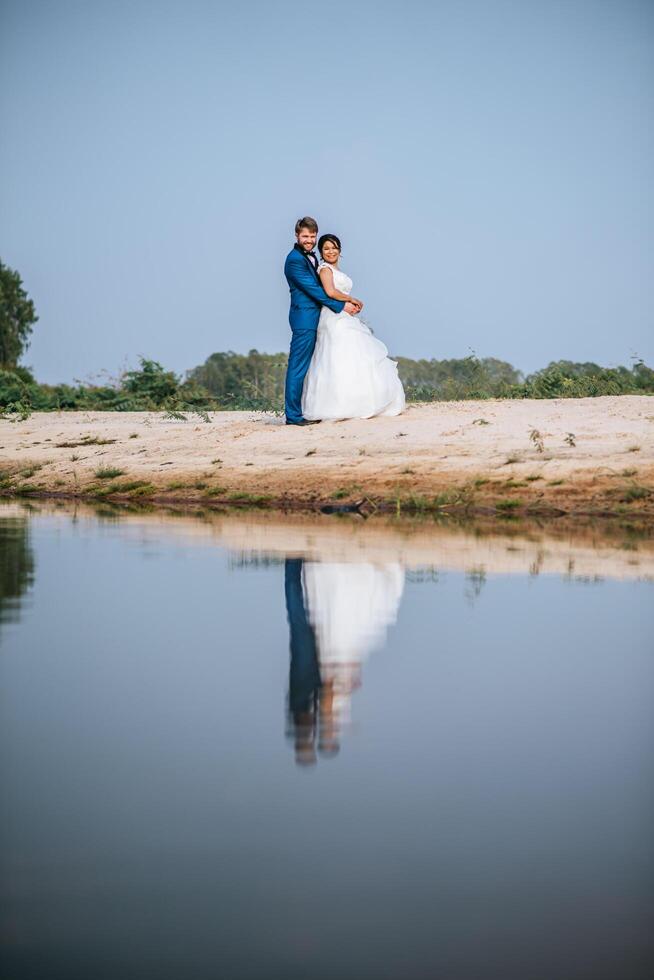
x=255, y=381
x=228, y=380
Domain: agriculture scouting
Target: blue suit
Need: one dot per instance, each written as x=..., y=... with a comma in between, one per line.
x=307, y=297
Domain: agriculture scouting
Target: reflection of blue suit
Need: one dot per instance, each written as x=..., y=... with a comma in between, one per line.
x=304, y=682
x=307, y=297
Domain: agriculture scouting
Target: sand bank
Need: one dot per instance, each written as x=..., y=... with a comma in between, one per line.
x=560, y=456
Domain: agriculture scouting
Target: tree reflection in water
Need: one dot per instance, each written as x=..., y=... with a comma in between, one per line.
x=16, y=566
x=337, y=613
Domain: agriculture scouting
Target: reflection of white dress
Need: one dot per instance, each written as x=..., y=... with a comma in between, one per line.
x=350, y=375
x=350, y=607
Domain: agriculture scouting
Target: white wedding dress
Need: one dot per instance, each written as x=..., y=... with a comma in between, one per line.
x=350, y=606
x=351, y=375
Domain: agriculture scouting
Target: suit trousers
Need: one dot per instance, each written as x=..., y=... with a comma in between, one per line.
x=303, y=343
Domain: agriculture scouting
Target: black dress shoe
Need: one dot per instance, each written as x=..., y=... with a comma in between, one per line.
x=303, y=422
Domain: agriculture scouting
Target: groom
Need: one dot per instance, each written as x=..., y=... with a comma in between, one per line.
x=307, y=297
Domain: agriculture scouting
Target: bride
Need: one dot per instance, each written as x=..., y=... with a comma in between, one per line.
x=351, y=375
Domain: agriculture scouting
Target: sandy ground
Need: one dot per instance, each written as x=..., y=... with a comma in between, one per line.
x=475, y=455
x=594, y=552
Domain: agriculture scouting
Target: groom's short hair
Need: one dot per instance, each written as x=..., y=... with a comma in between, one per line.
x=306, y=222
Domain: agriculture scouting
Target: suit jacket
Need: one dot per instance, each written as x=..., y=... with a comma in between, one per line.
x=307, y=294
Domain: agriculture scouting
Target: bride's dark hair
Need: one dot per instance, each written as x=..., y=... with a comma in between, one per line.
x=328, y=238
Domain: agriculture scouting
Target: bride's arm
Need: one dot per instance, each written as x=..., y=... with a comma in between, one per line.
x=327, y=280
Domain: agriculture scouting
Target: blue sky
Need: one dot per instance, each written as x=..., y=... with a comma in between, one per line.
x=487, y=166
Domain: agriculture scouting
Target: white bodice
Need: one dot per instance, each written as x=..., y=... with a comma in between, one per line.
x=341, y=281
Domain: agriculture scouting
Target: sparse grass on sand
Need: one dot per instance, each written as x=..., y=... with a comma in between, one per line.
x=85, y=441
x=635, y=492
x=108, y=472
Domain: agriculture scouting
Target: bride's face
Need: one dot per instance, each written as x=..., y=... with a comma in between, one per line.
x=330, y=253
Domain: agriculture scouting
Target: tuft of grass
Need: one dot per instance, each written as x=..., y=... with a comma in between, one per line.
x=86, y=441
x=249, y=498
x=200, y=485
x=532, y=477
x=406, y=472
x=481, y=480
x=537, y=440
x=630, y=471
x=133, y=435
x=633, y=449
x=104, y=491
x=129, y=486
x=216, y=462
x=513, y=458
x=312, y=452
x=59, y=483
x=507, y=505
x=462, y=496
x=555, y=483
x=30, y=470
x=511, y=484
x=215, y=491
x=146, y=490
x=16, y=411
x=109, y=472
x=345, y=491
x=412, y=502
x=177, y=485
x=570, y=439
x=173, y=413
x=635, y=492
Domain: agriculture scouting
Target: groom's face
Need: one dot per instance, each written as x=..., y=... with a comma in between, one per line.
x=306, y=239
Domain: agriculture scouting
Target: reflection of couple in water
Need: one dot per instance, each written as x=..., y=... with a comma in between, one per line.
x=337, y=612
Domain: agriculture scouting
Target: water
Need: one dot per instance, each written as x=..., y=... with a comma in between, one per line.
x=449, y=777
